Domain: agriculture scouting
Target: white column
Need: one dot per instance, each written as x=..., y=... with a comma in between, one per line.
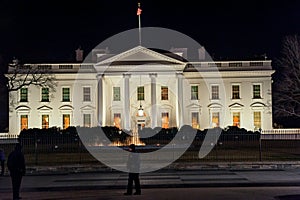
x=179, y=112
x=100, y=99
x=126, y=117
x=153, y=100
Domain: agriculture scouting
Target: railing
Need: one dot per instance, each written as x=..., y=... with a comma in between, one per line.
x=68, y=149
x=232, y=64
x=90, y=66
x=56, y=67
x=281, y=131
x=281, y=134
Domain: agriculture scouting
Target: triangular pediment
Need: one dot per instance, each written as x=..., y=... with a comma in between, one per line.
x=87, y=107
x=193, y=105
x=137, y=58
x=236, y=105
x=44, y=107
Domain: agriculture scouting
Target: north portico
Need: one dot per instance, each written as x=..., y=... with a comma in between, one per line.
x=113, y=89
x=136, y=78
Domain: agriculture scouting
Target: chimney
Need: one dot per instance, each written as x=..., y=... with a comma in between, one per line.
x=79, y=55
x=202, y=53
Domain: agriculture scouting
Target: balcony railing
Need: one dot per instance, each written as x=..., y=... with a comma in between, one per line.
x=231, y=64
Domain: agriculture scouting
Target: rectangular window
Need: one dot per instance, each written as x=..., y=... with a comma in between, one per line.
x=164, y=93
x=214, y=92
x=24, y=95
x=165, y=120
x=24, y=122
x=195, y=120
x=236, y=119
x=66, y=121
x=257, y=120
x=45, y=121
x=256, y=91
x=117, y=120
x=116, y=94
x=215, y=119
x=45, y=94
x=194, y=92
x=87, y=120
x=235, y=92
x=66, y=94
x=86, y=94
x=140, y=93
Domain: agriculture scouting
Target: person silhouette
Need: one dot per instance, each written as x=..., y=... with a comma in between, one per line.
x=2, y=160
x=133, y=165
x=16, y=167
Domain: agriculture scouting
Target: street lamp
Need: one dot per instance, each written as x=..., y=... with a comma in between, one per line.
x=140, y=111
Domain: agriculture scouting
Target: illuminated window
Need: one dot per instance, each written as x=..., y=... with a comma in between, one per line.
x=194, y=92
x=165, y=120
x=86, y=94
x=116, y=94
x=164, y=93
x=235, y=92
x=66, y=94
x=24, y=122
x=24, y=95
x=256, y=91
x=215, y=119
x=257, y=120
x=45, y=121
x=117, y=120
x=236, y=119
x=215, y=92
x=45, y=94
x=66, y=121
x=140, y=93
x=195, y=120
x=87, y=120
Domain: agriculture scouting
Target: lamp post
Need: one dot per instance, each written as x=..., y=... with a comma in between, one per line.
x=140, y=111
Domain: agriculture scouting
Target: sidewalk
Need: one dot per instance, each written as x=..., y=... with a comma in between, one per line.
x=210, y=181
x=165, y=178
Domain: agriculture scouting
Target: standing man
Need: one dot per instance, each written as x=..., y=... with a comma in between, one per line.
x=2, y=160
x=16, y=167
x=133, y=165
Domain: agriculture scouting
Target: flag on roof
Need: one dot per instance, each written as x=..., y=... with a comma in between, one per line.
x=139, y=11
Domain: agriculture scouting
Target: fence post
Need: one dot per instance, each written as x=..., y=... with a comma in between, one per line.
x=80, y=147
x=35, y=148
x=260, y=153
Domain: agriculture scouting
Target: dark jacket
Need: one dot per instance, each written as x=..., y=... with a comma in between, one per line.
x=2, y=155
x=133, y=162
x=16, y=162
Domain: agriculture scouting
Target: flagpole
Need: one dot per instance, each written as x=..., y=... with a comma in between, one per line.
x=140, y=32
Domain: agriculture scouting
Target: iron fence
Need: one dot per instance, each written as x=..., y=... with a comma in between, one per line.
x=64, y=148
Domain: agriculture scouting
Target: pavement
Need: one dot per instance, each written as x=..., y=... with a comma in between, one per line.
x=192, y=181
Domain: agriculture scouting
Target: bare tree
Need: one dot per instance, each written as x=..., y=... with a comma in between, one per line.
x=287, y=87
x=19, y=76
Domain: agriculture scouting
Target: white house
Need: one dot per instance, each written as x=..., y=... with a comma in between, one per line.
x=147, y=88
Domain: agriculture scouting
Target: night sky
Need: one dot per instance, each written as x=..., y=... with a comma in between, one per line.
x=50, y=31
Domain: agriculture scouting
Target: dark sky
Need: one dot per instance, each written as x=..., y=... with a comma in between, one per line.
x=45, y=30
x=50, y=30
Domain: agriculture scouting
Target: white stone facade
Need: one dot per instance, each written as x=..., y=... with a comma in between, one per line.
x=105, y=93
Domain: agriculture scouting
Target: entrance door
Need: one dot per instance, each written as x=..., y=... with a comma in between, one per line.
x=165, y=120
